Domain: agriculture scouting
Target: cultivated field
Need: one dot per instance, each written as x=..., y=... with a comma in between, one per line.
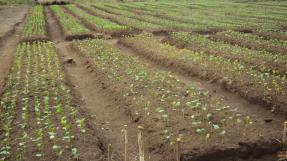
x=166, y=80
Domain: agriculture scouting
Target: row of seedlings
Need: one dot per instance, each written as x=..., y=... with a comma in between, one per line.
x=275, y=64
x=124, y=20
x=233, y=75
x=71, y=28
x=35, y=25
x=99, y=24
x=166, y=106
x=39, y=118
x=252, y=41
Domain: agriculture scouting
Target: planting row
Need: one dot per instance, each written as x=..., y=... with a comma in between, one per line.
x=174, y=19
x=121, y=19
x=35, y=26
x=97, y=23
x=264, y=61
x=168, y=24
x=69, y=25
x=217, y=16
x=232, y=74
x=252, y=41
x=162, y=103
x=214, y=17
x=39, y=120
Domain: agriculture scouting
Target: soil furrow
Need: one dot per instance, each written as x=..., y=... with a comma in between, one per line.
x=106, y=110
x=216, y=91
x=89, y=150
x=85, y=23
x=264, y=118
x=97, y=29
x=54, y=31
x=8, y=49
x=107, y=113
x=251, y=93
x=250, y=44
x=264, y=66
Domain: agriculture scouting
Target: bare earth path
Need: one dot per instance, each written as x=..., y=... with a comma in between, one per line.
x=107, y=112
x=10, y=30
x=9, y=16
x=54, y=30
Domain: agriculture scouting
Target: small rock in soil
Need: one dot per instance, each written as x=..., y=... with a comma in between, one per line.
x=136, y=118
x=268, y=120
x=70, y=61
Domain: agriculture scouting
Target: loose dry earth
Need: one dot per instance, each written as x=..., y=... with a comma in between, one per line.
x=12, y=16
x=9, y=36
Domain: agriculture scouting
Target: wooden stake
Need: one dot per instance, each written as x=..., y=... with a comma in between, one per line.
x=178, y=148
x=109, y=152
x=140, y=143
x=126, y=142
x=284, y=133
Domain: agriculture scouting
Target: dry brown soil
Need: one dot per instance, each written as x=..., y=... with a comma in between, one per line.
x=108, y=111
